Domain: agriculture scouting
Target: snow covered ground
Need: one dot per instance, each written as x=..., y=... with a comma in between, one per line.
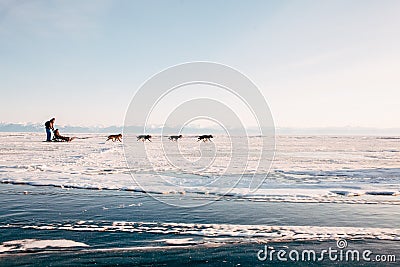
x=306, y=168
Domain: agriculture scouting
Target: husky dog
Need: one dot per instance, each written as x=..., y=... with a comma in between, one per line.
x=144, y=137
x=175, y=137
x=205, y=138
x=114, y=137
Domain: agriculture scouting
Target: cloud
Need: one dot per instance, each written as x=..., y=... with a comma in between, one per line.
x=47, y=18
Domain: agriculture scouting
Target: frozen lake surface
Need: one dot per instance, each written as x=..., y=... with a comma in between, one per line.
x=74, y=203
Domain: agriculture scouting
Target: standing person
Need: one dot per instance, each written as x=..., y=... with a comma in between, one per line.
x=49, y=125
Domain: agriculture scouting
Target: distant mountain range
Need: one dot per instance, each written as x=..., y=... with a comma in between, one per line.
x=37, y=127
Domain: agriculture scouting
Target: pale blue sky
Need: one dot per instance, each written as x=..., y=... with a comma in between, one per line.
x=318, y=63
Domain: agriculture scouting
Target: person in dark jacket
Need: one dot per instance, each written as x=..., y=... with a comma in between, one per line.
x=49, y=125
x=59, y=137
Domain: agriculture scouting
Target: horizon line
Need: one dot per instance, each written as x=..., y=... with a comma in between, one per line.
x=155, y=126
